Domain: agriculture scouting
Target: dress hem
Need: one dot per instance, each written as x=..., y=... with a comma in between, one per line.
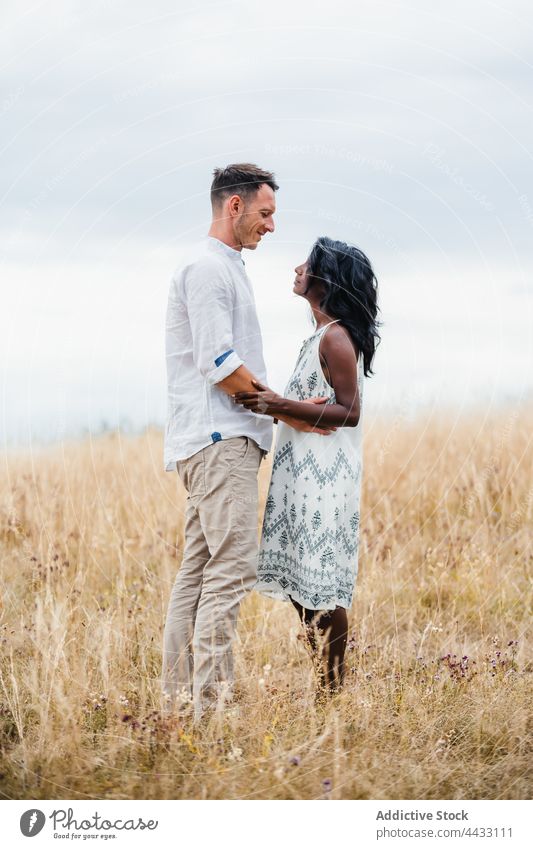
x=281, y=595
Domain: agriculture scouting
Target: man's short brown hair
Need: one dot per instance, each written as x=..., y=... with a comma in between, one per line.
x=242, y=179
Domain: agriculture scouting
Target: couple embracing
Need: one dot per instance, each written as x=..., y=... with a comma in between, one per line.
x=219, y=429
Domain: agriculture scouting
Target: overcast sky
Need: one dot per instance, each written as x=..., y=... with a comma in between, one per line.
x=405, y=128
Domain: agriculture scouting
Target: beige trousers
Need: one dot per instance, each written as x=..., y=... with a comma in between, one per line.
x=218, y=569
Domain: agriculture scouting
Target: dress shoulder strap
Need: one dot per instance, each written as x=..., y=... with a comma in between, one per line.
x=328, y=325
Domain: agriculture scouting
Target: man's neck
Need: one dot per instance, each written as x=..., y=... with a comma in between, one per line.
x=224, y=237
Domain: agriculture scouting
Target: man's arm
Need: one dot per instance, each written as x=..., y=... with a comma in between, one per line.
x=209, y=297
x=238, y=381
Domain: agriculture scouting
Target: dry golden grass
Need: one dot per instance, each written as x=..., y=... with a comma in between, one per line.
x=438, y=695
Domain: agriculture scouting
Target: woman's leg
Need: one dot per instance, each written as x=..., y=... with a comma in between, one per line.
x=332, y=626
x=337, y=637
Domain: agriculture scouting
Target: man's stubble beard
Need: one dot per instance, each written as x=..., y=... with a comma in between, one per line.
x=242, y=235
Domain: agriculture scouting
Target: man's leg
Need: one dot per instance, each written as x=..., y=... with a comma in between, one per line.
x=181, y=614
x=228, y=514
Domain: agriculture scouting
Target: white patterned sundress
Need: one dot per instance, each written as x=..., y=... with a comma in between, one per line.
x=310, y=539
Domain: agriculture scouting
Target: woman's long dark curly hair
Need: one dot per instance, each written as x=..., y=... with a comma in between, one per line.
x=351, y=292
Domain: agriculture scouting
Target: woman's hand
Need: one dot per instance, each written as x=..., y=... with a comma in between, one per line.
x=264, y=401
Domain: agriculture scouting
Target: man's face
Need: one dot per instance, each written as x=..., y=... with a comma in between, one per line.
x=255, y=217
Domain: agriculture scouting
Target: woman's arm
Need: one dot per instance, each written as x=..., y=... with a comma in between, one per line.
x=242, y=380
x=299, y=424
x=338, y=351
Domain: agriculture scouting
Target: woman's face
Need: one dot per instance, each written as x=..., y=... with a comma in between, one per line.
x=301, y=281
x=306, y=286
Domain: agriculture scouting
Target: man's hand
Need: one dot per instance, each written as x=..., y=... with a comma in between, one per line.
x=265, y=401
x=297, y=424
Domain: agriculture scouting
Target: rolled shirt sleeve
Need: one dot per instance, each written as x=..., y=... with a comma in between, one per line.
x=210, y=300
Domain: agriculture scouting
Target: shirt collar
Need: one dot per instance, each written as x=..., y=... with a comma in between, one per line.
x=216, y=245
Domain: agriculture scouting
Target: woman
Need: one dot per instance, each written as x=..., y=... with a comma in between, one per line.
x=309, y=547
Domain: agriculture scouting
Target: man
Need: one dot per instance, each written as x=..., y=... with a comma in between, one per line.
x=214, y=349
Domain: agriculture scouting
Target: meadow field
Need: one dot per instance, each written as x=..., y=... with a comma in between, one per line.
x=437, y=701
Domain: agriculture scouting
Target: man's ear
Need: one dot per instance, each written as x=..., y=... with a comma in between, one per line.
x=235, y=205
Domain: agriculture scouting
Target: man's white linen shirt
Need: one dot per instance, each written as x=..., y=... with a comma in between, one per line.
x=211, y=329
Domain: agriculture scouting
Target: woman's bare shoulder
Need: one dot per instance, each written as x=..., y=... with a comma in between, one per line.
x=337, y=340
